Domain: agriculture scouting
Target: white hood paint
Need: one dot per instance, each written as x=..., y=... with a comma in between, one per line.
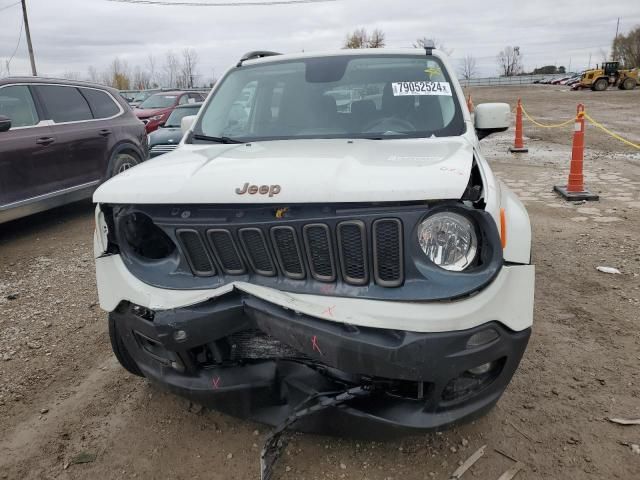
x=308, y=171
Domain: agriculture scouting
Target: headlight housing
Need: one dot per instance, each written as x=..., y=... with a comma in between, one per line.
x=449, y=240
x=157, y=118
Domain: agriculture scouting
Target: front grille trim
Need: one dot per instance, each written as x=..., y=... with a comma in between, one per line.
x=364, y=252
x=376, y=260
x=219, y=257
x=250, y=255
x=188, y=254
x=307, y=246
x=280, y=258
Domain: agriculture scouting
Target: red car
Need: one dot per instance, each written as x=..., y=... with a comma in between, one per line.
x=155, y=110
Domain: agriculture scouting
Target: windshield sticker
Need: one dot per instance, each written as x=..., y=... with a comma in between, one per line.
x=433, y=72
x=401, y=89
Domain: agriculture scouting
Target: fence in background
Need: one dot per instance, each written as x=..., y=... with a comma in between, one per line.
x=505, y=81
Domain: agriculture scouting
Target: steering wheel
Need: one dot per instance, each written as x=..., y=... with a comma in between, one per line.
x=389, y=124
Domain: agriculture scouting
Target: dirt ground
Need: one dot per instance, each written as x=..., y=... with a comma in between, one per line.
x=64, y=399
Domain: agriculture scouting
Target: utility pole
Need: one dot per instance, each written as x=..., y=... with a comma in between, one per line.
x=613, y=50
x=28, y=33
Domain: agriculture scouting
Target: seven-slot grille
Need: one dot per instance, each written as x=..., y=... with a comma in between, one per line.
x=316, y=250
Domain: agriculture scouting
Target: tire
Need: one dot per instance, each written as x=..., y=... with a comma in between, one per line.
x=122, y=162
x=600, y=85
x=120, y=350
x=629, y=84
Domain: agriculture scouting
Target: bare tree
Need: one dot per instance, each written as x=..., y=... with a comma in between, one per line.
x=72, y=76
x=377, y=39
x=189, y=67
x=140, y=78
x=510, y=61
x=422, y=42
x=117, y=74
x=468, y=68
x=171, y=69
x=93, y=75
x=151, y=67
x=358, y=39
x=626, y=48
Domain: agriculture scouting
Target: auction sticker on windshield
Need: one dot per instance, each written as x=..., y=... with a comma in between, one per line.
x=421, y=88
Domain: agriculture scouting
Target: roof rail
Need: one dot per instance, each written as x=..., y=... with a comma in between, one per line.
x=256, y=54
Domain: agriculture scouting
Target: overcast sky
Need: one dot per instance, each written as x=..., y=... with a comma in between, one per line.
x=71, y=35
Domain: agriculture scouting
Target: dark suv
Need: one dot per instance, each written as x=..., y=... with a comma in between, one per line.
x=59, y=140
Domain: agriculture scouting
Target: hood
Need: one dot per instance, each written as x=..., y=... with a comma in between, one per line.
x=165, y=135
x=298, y=171
x=149, y=112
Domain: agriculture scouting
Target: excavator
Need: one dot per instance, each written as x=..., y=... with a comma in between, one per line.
x=609, y=75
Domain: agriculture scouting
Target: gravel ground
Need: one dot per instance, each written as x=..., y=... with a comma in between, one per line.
x=68, y=411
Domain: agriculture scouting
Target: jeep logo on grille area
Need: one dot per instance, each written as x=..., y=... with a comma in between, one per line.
x=262, y=189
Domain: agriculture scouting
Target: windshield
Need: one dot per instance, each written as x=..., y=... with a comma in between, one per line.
x=142, y=96
x=159, y=100
x=178, y=114
x=380, y=97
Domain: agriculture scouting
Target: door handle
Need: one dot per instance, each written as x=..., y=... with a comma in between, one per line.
x=45, y=141
x=105, y=132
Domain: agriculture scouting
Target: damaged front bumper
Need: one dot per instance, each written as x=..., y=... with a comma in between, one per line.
x=254, y=359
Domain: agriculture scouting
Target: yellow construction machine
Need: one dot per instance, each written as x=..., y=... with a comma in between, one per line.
x=609, y=75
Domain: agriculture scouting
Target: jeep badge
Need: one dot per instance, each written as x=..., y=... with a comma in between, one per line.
x=262, y=190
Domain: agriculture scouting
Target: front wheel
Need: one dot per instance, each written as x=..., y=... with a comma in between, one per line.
x=600, y=85
x=122, y=162
x=629, y=84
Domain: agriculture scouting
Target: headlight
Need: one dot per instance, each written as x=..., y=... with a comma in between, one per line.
x=449, y=240
x=156, y=118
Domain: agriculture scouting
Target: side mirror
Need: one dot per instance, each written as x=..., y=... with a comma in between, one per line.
x=5, y=123
x=187, y=122
x=492, y=118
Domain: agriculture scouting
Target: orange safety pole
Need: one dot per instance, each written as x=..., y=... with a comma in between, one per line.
x=470, y=105
x=576, y=176
x=518, y=144
x=575, y=189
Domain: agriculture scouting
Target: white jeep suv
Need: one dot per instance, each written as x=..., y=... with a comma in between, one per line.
x=295, y=247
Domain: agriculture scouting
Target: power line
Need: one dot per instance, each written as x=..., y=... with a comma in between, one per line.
x=17, y=45
x=220, y=4
x=9, y=6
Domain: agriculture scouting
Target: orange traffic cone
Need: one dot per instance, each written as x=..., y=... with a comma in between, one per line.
x=575, y=189
x=518, y=144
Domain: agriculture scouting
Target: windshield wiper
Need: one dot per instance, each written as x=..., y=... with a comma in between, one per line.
x=207, y=138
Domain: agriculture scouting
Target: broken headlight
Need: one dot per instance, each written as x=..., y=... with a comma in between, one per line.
x=144, y=238
x=449, y=240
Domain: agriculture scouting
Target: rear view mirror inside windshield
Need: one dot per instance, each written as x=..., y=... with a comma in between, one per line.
x=326, y=70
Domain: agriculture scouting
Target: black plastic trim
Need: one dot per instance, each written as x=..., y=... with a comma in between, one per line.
x=276, y=249
x=314, y=274
x=376, y=270
x=202, y=273
x=365, y=252
x=214, y=249
x=247, y=251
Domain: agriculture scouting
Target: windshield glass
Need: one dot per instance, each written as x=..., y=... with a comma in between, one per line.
x=379, y=97
x=142, y=96
x=159, y=100
x=178, y=114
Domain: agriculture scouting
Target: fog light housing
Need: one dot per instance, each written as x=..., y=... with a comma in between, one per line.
x=482, y=338
x=472, y=382
x=482, y=369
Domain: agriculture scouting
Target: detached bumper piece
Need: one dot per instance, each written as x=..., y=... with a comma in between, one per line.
x=252, y=359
